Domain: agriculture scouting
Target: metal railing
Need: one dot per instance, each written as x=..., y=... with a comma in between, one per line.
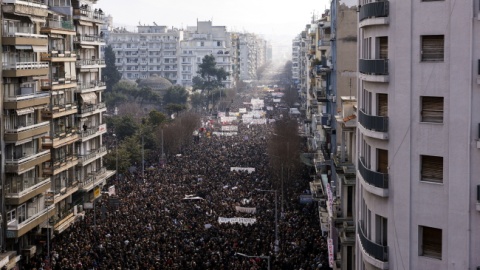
x=373, y=66
x=91, y=108
x=59, y=24
x=375, y=250
x=374, y=9
x=24, y=65
x=89, y=38
x=90, y=62
x=376, y=179
x=373, y=122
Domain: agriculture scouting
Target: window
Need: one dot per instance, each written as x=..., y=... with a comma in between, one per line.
x=430, y=241
x=432, y=109
x=432, y=48
x=432, y=169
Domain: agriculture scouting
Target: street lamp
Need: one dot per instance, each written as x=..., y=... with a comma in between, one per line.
x=116, y=157
x=277, y=241
x=250, y=256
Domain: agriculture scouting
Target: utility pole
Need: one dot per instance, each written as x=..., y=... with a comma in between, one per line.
x=143, y=159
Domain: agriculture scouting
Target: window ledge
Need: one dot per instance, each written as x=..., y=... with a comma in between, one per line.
x=431, y=182
x=477, y=206
x=432, y=123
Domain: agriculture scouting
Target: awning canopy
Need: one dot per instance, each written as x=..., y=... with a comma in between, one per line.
x=25, y=111
x=85, y=23
x=23, y=47
x=89, y=97
x=39, y=48
x=87, y=47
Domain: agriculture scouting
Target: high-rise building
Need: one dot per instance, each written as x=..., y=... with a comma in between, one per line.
x=418, y=191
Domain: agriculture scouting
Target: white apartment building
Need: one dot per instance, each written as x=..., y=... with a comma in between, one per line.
x=418, y=95
x=201, y=40
x=151, y=50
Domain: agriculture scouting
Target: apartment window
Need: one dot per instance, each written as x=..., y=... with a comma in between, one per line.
x=432, y=48
x=432, y=169
x=432, y=109
x=431, y=242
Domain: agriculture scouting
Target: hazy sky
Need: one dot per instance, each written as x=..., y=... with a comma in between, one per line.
x=274, y=20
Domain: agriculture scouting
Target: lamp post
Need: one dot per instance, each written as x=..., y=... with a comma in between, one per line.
x=116, y=157
x=250, y=256
x=277, y=241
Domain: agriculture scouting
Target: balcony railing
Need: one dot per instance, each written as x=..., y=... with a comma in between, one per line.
x=91, y=108
x=374, y=9
x=24, y=93
x=373, y=66
x=92, y=154
x=92, y=84
x=17, y=226
x=373, y=122
x=36, y=183
x=90, y=62
x=24, y=65
x=25, y=127
x=375, y=250
x=376, y=179
x=88, y=13
x=89, y=38
x=24, y=32
x=68, y=25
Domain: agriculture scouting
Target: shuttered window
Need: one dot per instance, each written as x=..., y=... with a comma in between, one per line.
x=382, y=105
x=383, y=42
x=433, y=48
x=431, y=242
x=432, y=169
x=382, y=161
x=432, y=109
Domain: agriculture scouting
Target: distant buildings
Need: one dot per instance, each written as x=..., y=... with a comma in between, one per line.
x=176, y=53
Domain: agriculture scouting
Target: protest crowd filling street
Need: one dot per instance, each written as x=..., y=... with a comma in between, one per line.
x=180, y=215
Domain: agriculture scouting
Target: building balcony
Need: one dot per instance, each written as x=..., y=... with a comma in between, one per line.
x=20, y=133
x=373, y=253
x=26, y=161
x=16, y=229
x=323, y=44
x=87, y=110
x=60, y=165
x=58, y=83
x=58, y=194
x=14, y=197
x=38, y=8
x=59, y=56
x=374, y=13
x=24, y=98
x=60, y=139
x=88, y=15
x=92, y=156
x=88, y=133
x=58, y=27
x=84, y=87
x=372, y=125
x=95, y=178
x=24, y=69
x=373, y=70
x=372, y=181
x=90, y=63
x=64, y=220
x=59, y=110
x=89, y=40
x=24, y=37
x=322, y=95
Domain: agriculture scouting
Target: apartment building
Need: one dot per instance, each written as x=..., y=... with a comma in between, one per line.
x=201, y=40
x=417, y=135
x=52, y=115
x=23, y=129
x=329, y=96
x=151, y=50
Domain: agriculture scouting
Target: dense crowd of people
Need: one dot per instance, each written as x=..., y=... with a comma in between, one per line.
x=169, y=219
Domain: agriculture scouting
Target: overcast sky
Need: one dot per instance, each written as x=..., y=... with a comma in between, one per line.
x=275, y=21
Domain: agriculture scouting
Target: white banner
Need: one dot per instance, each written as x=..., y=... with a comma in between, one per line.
x=242, y=110
x=221, y=133
x=249, y=210
x=258, y=121
x=192, y=197
x=229, y=128
x=245, y=221
x=228, y=119
x=248, y=169
x=111, y=190
x=330, y=252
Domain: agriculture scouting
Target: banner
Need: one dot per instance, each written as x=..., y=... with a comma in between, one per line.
x=237, y=220
x=96, y=192
x=229, y=128
x=192, y=197
x=242, y=169
x=249, y=210
x=111, y=190
x=330, y=252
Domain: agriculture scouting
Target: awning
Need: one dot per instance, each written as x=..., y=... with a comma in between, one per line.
x=25, y=111
x=57, y=92
x=307, y=158
x=37, y=19
x=85, y=23
x=23, y=47
x=89, y=97
x=87, y=47
x=39, y=48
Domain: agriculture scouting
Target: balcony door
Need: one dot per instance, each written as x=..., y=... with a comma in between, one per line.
x=382, y=161
x=383, y=47
x=382, y=108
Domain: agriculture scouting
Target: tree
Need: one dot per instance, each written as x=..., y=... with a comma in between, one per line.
x=110, y=72
x=175, y=108
x=125, y=126
x=196, y=100
x=156, y=118
x=210, y=77
x=175, y=95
